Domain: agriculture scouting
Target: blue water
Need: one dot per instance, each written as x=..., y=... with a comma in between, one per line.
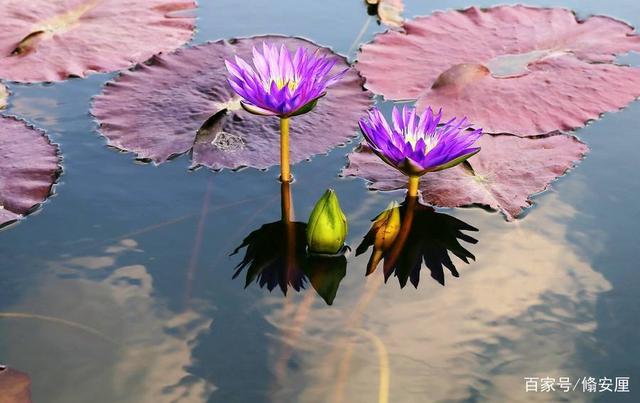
x=123, y=281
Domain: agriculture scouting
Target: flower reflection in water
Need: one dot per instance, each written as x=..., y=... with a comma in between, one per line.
x=276, y=256
x=405, y=236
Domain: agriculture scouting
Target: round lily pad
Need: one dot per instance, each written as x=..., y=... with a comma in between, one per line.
x=510, y=69
x=502, y=176
x=182, y=102
x=29, y=166
x=44, y=40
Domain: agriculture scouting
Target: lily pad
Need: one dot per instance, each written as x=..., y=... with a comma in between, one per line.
x=510, y=69
x=43, y=40
x=182, y=102
x=502, y=176
x=29, y=166
x=15, y=386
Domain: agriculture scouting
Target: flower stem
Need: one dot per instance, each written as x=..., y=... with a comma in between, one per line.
x=414, y=181
x=285, y=202
x=290, y=234
x=285, y=172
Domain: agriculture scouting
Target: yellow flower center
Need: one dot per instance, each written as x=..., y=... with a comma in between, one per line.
x=430, y=142
x=292, y=83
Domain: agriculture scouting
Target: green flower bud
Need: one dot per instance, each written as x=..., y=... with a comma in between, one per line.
x=327, y=226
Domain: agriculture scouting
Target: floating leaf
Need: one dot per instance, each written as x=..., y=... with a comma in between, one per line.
x=43, y=40
x=15, y=386
x=4, y=94
x=28, y=169
x=182, y=101
x=506, y=172
x=510, y=69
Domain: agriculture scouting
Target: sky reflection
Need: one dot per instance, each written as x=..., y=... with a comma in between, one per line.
x=107, y=334
x=529, y=292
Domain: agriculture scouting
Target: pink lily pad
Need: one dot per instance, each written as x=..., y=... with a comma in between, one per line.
x=510, y=69
x=15, y=386
x=29, y=165
x=502, y=176
x=182, y=102
x=43, y=40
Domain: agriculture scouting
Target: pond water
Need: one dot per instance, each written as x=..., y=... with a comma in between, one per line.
x=120, y=288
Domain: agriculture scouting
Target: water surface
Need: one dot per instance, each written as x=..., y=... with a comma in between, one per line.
x=125, y=279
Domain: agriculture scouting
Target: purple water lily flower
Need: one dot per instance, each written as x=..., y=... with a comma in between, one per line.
x=280, y=84
x=417, y=144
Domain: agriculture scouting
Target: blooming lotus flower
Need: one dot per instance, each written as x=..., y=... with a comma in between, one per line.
x=417, y=144
x=281, y=84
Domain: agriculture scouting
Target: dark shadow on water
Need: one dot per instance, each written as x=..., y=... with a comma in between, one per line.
x=276, y=256
x=271, y=260
x=406, y=236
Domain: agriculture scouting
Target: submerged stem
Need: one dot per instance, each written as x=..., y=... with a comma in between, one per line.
x=290, y=234
x=414, y=181
x=285, y=172
x=285, y=202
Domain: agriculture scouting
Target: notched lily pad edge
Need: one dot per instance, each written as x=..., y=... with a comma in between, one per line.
x=153, y=59
x=56, y=175
x=531, y=199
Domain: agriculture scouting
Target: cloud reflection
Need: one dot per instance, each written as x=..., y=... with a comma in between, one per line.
x=151, y=352
x=525, y=309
